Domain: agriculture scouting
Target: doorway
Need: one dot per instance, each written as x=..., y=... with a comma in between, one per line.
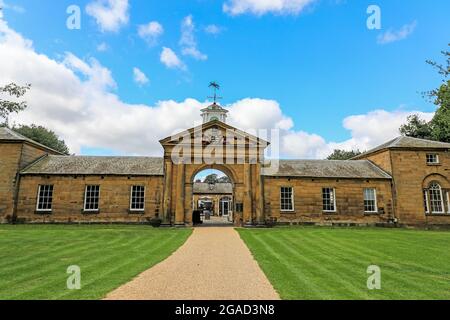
x=212, y=198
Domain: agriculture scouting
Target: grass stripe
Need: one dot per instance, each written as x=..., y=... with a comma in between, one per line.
x=34, y=259
x=337, y=258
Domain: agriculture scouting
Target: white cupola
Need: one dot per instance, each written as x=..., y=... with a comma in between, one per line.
x=214, y=113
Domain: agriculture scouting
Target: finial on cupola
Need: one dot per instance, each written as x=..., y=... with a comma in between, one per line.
x=214, y=112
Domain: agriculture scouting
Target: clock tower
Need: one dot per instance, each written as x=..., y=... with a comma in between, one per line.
x=214, y=112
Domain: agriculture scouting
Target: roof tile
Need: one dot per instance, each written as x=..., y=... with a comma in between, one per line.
x=329, y=169
x=83, y=165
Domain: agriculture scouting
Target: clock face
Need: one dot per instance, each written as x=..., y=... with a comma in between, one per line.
x=213, y=135
x=214, y=119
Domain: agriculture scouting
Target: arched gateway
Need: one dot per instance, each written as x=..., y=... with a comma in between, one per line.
x=213, y=145
x=405, y=181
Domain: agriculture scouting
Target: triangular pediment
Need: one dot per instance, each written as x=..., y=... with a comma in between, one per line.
x=215, y=132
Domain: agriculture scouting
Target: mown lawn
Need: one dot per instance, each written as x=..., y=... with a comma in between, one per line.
x=34, y=259
x=326, y=263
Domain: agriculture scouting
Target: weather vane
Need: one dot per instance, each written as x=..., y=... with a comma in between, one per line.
x=215, y=86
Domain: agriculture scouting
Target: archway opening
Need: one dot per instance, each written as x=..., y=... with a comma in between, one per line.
x=212, y=198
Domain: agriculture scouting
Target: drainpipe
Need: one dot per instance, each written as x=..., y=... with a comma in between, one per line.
x=16, y=188
x=15, y=198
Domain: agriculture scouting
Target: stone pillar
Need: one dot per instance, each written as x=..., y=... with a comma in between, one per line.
x=188, y=203
x=179, y=211
x=259, y=195
x=167, y=193
x=247, y=194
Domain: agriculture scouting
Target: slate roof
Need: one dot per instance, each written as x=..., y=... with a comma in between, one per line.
x=7, y=134
x=218, y=188
x=84, y=165
x=407, y=143
x=361, y=169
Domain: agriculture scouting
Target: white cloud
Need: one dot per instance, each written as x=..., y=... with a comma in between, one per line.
x=261, y=7
x=213, y=29
x=254, y=113
x=95, y=74
x=367, y=131
x=110, y=15
x=74, y=98
x=6, y=6
x=171, y=60
x=139, y=77
x=188, y=41
x=150, y=32
x=102, y=47
x=397, y=35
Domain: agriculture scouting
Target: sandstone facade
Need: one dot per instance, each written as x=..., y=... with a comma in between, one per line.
x=407, y=181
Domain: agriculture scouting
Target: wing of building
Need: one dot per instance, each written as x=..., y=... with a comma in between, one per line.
x=404, y=181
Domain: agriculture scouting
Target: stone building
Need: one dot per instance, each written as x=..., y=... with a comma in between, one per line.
x=404, y=181
x=216, y=197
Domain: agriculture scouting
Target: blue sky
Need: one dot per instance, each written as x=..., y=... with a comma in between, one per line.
x=320, y=64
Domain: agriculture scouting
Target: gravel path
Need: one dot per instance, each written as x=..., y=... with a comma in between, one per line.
x=213, y=264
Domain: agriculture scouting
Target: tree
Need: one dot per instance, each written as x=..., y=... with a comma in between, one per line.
x=439, y=127
x=43, y=136
x=224, y=179
x=214, y=178
x=416, y=128
x=6, y=106
x=343, y=155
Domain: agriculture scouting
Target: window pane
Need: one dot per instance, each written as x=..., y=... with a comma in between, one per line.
x=45, y=198
x=435, y=194
x=370, y=202
x=432, y=158
x=329, y=200
x=425, y=201
x=137, y=198
x=92, y=197
x=286, y=199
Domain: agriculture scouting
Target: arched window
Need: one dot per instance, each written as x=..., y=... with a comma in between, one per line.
x=435, y=196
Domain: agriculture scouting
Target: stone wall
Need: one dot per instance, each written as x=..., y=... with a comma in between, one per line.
x=308, y=205
x=382, y=159
x=68, y=199
x=179, y=190
x=30, y=154
x=411, y=175
x=14, y=156
x=9, y=165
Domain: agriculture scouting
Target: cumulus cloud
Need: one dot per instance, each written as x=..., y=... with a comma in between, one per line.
x=258, y=7
x=171, y=60
x=397, y=35
x=110, y=15
x=76, y=99
x=367, y=131
x=150, y=32
x=95, y=74
x=188, y=42
x=139, y=77
x=254, y=113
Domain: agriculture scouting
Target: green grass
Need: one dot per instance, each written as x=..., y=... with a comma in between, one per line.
x=326, y=263
x=34, y=259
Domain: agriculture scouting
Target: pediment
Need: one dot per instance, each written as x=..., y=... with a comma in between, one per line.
x=214, y=132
